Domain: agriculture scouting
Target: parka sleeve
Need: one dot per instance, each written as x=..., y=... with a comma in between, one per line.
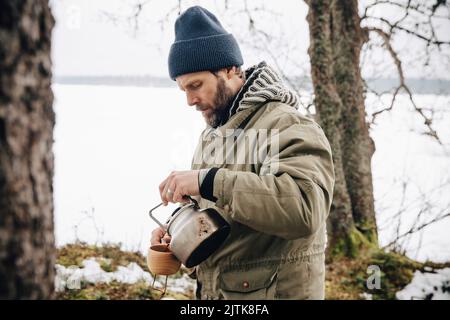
x=292, y=201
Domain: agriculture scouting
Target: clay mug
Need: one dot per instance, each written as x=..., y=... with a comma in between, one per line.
x=161, y=260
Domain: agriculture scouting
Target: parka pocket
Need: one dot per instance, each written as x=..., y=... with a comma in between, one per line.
x=250, y=284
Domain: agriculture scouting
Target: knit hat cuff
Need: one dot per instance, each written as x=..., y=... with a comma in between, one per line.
x=201, y=54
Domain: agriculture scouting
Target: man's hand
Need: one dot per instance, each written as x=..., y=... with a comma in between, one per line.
x=179, y=184
x=158, y=235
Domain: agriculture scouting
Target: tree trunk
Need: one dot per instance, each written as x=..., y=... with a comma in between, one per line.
x=27, y=253
x=336, y=39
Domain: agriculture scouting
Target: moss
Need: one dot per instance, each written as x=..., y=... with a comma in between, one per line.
x=106, y=264
x=110, y=291
x=110, y=256
x=351, y=245
x=346, y=277
x=340, y=283
x=118, y=291
x=397, y=271
x=179, y=296
x=74, y=254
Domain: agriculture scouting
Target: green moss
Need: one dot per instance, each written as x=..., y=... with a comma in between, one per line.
x=106, y=264
x=110, y=256
x=397, y=271
x=346, y=277
x=179, y=296
x=110, y=291
x=351, y=245
x=118, y=291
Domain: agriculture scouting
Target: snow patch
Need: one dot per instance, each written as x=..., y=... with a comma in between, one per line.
x=434, y=286
x=73, y=277
x=366, y=296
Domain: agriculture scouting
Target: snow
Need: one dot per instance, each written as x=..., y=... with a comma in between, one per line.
x=73, y=277
x=435, y=286
x=366, y=296
x=114, y=145
x=91, y=272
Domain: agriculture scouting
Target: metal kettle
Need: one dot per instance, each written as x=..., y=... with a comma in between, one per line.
x=195, y=233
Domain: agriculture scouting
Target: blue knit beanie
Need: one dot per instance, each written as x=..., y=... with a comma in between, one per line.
x=201, y=43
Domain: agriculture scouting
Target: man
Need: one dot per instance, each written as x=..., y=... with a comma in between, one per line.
x=276, y=206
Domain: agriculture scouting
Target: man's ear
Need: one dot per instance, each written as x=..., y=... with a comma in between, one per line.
x=230, y=72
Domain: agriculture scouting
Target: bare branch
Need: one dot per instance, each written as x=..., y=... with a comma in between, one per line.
x=377, y=113
x=137, y=12
x=429, y=40
x=415, y=229
x=427, y=206
x=131, y=19
x=165, y=20
x=402, y=85
x=409, y=7
x=412, y=9
x=264, y=38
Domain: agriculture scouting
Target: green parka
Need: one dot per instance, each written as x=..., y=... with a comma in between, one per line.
x=276, y=202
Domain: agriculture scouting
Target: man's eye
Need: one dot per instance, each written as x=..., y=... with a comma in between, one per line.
x=196, y=85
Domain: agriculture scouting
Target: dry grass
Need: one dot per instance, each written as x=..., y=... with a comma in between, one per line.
x=345, y=277
x=109, y=256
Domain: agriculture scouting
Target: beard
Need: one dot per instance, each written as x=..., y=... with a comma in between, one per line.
x=222, y=103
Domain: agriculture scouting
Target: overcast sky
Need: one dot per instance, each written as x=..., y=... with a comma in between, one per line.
x=88, y=42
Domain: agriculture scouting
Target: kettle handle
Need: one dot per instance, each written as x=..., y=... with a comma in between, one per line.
x=158, y=222
x=192, y=200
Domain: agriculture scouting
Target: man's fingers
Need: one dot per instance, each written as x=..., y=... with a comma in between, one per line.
x=165, y=193
x=177, y=185
x=162, y=187
x=181, y=197
x=157, y=235
x=171, y=190
x=167, y=238
x=178, y=195
x=184, y=199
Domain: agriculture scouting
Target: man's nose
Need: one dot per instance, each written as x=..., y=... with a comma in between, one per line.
x=192, y=100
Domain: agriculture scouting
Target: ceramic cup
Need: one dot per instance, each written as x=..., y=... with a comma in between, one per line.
x=161, y=261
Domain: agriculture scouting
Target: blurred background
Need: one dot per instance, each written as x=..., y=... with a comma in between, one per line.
x=90, y=124
x=122, y=125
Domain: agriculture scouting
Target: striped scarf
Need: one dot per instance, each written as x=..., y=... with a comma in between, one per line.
x=262, y=84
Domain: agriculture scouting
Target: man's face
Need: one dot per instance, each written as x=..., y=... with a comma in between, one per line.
x=209, y=93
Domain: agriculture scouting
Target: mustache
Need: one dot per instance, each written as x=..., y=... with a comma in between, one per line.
x=200, y=108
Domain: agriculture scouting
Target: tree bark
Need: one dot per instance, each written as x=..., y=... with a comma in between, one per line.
x=336, y=39
x=27, y=253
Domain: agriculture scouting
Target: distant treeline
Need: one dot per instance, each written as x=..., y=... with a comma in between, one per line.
x=419, y=86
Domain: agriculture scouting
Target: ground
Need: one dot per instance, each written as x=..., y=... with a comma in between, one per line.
x=107, y=272
x=346, y=278
x=119, y=274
